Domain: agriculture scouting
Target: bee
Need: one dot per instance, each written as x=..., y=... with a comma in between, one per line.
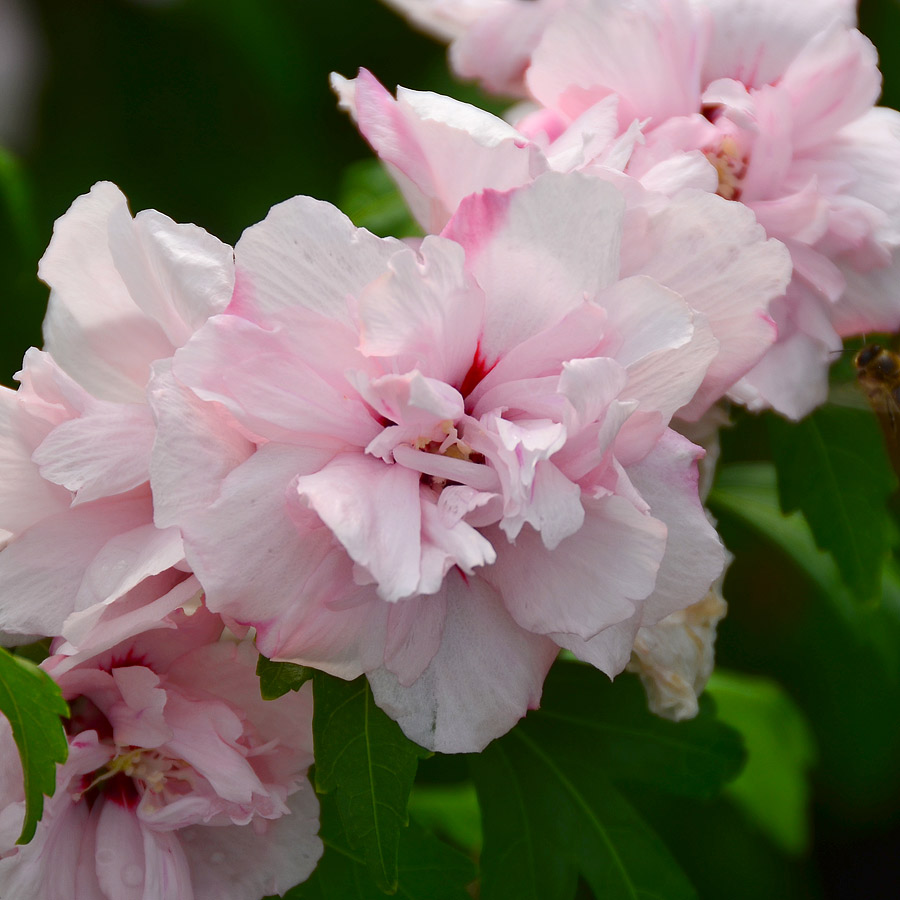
x=878, y=373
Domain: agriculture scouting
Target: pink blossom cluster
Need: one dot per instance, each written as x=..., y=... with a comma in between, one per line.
x=436, y=462
x=766, y=103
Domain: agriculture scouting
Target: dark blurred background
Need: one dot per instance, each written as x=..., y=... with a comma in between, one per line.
x=212, y=111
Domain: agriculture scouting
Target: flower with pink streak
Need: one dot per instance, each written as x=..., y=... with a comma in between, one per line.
x=438, y=465
x=75, y=439
x=776, y=100
x=712, y=252
x=181, y=781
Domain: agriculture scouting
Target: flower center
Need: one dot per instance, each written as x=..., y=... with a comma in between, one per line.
x=452, y=447
x=731, y=166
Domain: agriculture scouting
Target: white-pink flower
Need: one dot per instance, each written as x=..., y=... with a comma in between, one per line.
x=439, y=464
x=75, y=439
x=181, y=781
x=776, y=100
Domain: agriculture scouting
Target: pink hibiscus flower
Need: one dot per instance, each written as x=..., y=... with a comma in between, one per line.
x=776, y=100
x=75, y=439
x=181, y=781
x=439, y=464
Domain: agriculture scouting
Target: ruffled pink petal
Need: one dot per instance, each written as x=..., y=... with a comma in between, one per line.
x=425, y=312
x=25, y=497
x=306, y=253
x=717, y=257
x=270, y=388
x=649, y=53
x=438, y=149
x=246, y=862
x=593, y=579
x=667, y=479
x=196, y=446
x=609, y=651
x=487, y=674
x=374, y=511
x=135, y=863
x=831, y=82
x=755, y=42
x=538, y=253
x=105, y=451
x=178, y=275
x=93, y=328
x=52, y=582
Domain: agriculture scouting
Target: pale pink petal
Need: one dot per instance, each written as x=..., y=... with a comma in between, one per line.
x=441, y=149
x=425, y=311
x=414, y=632
x=259, y=579
x=754, y=41
x=497, y=46
x=93, y=328
x=247, y=862
x=538, y=253
x=374, y=511
x=487, y=674
x=135, y=863
x=831, y=82
x=101, y=627
x=667, y=479
x=608, y=651
x=138, y=717
x=38, y=589
x=103, y=452
x=593, y=579
x=125, y=560
x=179, y=275
x=306, y=253
x=717, y=257
x=195, y=447
x=649, y=53
x=25, y=497
x=272, y=390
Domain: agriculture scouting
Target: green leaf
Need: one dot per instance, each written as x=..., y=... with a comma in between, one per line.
x=450, y=810
x=277, y=678
x=364, y=757
x=551, y=814
x=627, y=741
x=773, y=789
x=428, y=869
x=371, y=200
x=832, y=466
x=747, y=492
x=31, y=700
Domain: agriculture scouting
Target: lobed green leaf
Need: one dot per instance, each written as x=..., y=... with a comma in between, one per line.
x=832, y=466
x=550, y=814
x=625, y=740
x=364, y=757
x=277, y=678
x=428, y=868
x=33, y=704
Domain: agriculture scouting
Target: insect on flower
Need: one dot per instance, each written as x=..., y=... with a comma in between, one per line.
x=878, y=373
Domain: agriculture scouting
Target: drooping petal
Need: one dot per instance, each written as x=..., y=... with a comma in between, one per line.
x=487, y=674
x=595, y=578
